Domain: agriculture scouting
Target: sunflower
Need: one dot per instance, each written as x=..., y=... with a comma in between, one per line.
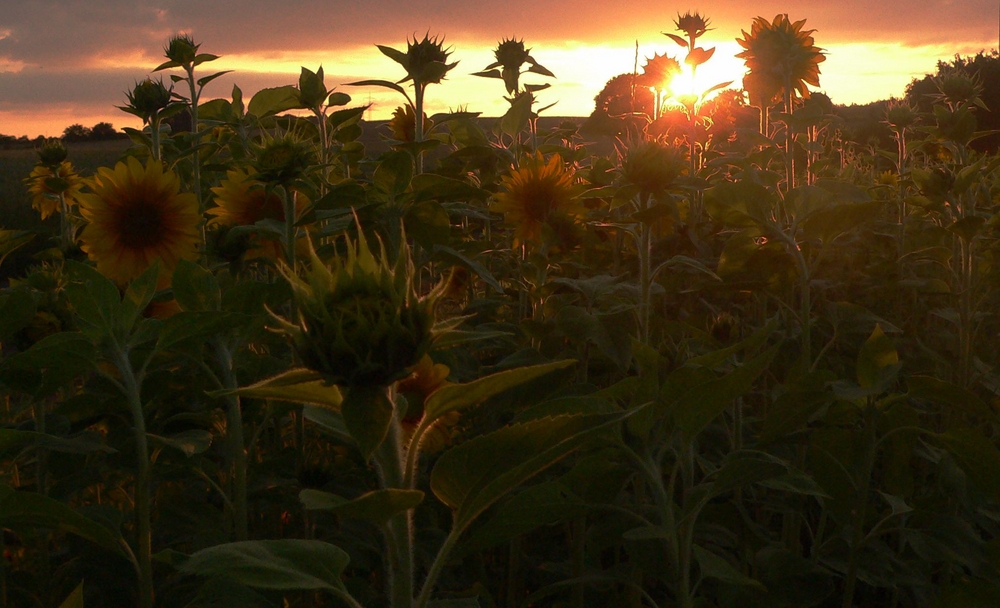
x=135, y=216
x=404, y=122
x=538, y=195
x=658, y=72
x=243, y=200
x=780, y=55
x=46, y=183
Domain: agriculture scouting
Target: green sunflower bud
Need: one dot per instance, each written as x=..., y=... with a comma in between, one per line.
x=147, y=98
x=360, y=323
x=426, y=60
x=181, y=49
x=52, y=153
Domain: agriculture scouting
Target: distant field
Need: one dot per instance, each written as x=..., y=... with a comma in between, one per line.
x=15, y=165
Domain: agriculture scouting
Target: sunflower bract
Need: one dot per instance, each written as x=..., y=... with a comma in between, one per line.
x=359, y=323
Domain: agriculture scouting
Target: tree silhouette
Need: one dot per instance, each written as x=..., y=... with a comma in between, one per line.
x=76, y=132
x=983, y=66
x=621, y=95
x=102, y=131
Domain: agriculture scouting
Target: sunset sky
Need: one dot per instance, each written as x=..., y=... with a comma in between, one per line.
x=71, y=61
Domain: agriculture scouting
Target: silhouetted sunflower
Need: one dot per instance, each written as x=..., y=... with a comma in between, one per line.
x=658, y=72
x=243, y=200
x=403, y=124
x=135, y=216
x=779, y=54
x=45, y=184
x=536, y=194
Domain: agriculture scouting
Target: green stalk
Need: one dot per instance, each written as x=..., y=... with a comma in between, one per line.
x=143, y=478
x=399, y=530
x=154, y=136
x=789, y=139
x=644, y=273
x=857, y=534
x=288, y=200
x=418, y=123
x=196, y=158
x=237, y=448
x=64, y=223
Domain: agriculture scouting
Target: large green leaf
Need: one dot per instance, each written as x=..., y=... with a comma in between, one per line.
x=377, y=507
x=11, y=240
x=75, y=599
x=454, y=397
x=137, y=297
x=17, y=309
x=977, y=456
x=473, y=475
x=297, y=385
x=393, y=173
x=945, y=393
x=267, y=102
x=30, y=509
x=184, y=327
x=540, y=505
x=713, y=566
x=195, y=287
x=10, y=438
x=95, y=300
x=284, y=564
x=699, y=406
x=49, y=364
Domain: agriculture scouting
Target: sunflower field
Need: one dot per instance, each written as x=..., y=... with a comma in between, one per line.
x=723, y=362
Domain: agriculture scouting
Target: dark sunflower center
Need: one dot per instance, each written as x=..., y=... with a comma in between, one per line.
x=140, y=224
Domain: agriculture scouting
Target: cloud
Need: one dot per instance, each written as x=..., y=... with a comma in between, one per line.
x=84, y=53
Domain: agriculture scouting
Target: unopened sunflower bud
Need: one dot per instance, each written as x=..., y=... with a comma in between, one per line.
x=181, y=49
x=360, y=323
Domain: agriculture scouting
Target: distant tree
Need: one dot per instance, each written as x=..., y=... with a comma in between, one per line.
x=102, y=131
x=621, y=95
x=983, y=66
x=76, y=132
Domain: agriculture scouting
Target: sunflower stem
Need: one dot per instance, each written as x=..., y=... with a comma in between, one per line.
x=143, y=478
x=288, y=200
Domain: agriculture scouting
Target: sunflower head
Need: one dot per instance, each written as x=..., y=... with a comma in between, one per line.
x=956, y=88
x=403, y=123
x=52, y=153
x=779, y=55
x=283, y=160
x=900, y=115
x=651, y=165
x=537, y=195
x=243, y=200
x=511, y=54
x=426, y=60
x=659, y=71
x=360, y=322
x=693, y=24
x=46, y=183
x=147, y=98
x=181, y=49
x=137, y=215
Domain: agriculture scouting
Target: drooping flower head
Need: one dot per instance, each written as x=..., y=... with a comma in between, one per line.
x=46, y=183
x=244, y=200
x=536, y=195
x=283, y=160
x=359, y=323
x=135, y=216
x=779, y=54
x=900, y=115
x=52, y=153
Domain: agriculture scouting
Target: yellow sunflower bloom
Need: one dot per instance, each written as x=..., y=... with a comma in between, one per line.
x=539, y=194
x=45, y=184
x=243, y=200
x=136, y=216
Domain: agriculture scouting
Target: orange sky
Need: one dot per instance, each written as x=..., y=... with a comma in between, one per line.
x=70, y=61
